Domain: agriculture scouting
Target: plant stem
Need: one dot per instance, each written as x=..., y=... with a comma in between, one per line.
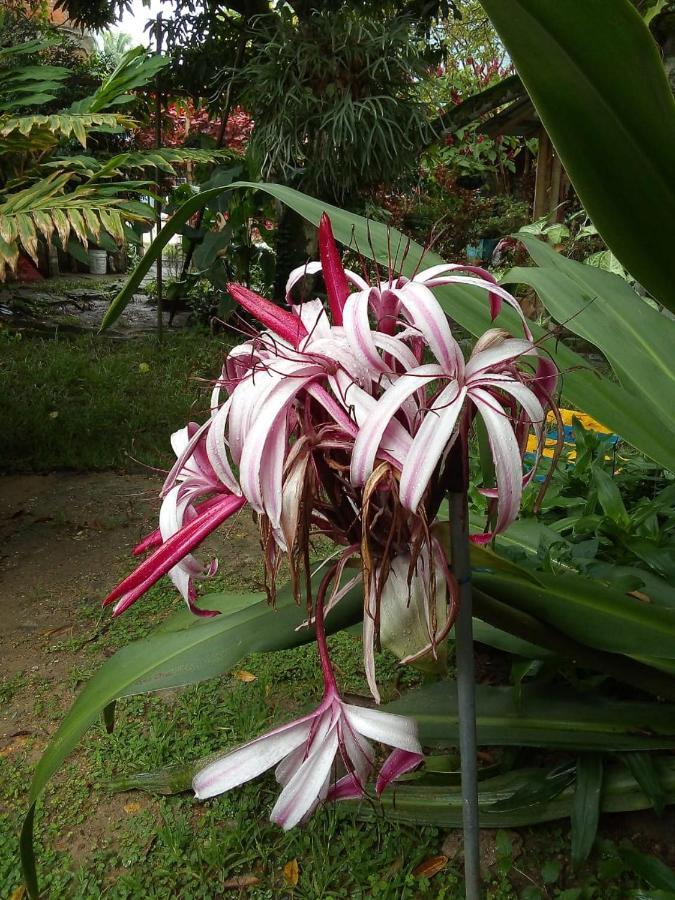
x=466, y=690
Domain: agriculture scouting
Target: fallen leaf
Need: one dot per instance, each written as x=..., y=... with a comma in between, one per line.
x=243, y=675
x=14, y=746
x=641, y=596
x=430, y=867
x=132, y=807
x=18, y=893
x=240, y=881
x=291, y=873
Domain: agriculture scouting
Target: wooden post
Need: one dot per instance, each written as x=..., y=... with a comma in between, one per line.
x=542, y=185
x=555, y=211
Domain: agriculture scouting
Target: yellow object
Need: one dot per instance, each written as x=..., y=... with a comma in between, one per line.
x=567, y=415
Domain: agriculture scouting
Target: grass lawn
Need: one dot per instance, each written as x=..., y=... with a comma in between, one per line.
x=89, y=403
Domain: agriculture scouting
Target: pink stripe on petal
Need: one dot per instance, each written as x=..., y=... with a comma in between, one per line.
x=300, y=795
x=372, y=431
x=358, y=331
x=187, y=451
x=505, y=454
x=249, y=761
x=347, y=788
x=424, y=312
x=397, y=763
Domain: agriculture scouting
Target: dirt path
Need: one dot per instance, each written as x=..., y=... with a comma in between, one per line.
x=65, y=540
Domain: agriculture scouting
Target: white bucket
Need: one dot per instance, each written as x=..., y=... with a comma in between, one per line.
x=98, y=262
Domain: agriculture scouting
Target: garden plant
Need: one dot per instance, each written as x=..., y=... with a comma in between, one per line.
x=424, y=464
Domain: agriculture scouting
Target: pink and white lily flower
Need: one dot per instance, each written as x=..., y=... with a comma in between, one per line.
x=309, y=752
x=338, y=421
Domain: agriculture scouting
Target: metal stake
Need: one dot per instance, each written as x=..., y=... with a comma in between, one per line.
x=158, y=206
x=466, y=690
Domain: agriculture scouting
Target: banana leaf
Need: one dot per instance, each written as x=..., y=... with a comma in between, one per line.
x=608, y=402
x=185, y=651
x=615, y=134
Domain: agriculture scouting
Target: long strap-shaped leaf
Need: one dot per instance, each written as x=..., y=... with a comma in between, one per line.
x=598, y=83
x=544, y=717
x=499, y=804
x=605, y=400
x=173, y=657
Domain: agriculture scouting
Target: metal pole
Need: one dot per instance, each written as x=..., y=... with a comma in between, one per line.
x=466, y=690
x=158, y=207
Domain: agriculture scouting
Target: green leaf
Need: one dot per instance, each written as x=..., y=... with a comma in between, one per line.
x=589, y=612
x=651, y=869
x=601, y=308
x=586, y=809
x=644, y=771
x=441, y=805
x=188, y=652
x=583, y=387
x=609, y=497
x=615, y=135
x=545, y=717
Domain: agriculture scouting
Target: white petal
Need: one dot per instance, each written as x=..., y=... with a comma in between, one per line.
x=304, y=789
x=382, y=414
x=249, y=761
x=434, y=436
x=387, y=728
x=506, y=456
x=502, y=353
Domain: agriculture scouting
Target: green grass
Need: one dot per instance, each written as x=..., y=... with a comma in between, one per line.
x=91, y=403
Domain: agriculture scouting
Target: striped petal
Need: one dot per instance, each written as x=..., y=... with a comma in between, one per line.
x=372, y=431
x=435, y=435
x=424, y=312
x=249, y=761
x=506, y=457
x=303, y=790
x=397, y=763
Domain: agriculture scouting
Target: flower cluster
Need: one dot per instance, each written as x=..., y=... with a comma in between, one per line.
x=341, y=421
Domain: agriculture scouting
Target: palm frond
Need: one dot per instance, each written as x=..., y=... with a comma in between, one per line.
x=136, y=69
x=45, y=210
